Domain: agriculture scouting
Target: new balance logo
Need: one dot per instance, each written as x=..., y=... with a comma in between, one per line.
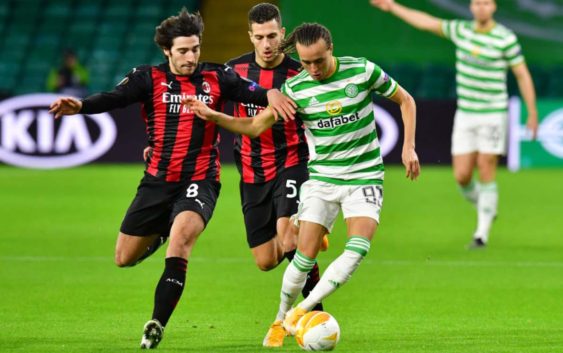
x=169, y=85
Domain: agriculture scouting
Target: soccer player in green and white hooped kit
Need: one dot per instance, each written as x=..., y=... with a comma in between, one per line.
x=484, y=52
x=333, y=97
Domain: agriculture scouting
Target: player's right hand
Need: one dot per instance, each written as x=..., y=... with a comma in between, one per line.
x=384, y=5
x=65, y=106
x=199, y=108
x=411, y=163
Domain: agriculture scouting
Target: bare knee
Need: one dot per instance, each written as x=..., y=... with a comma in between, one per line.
x=185, y=231
x=463, y=177
x=487, y=165
x=129, y=248
x=463, y=168
x=268, y=255
x=267, y=264
x=123, y=259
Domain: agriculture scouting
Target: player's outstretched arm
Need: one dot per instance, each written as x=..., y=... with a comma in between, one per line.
x=408, y=112
x=65, y=106
x=415, y=18
x=251, y=127
x=526, y=86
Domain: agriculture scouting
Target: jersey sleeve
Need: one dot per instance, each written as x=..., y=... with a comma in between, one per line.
x=135, y=87
x=450, y=29
x=239, y=89
x=379, y=81
x=513, y=51
x=285, y=89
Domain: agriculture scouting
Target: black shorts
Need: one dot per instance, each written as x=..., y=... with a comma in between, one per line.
x=264, y=203
x=158, y=202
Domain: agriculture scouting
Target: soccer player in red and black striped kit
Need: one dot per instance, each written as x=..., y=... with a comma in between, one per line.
x=178, y=192
x=274, y=165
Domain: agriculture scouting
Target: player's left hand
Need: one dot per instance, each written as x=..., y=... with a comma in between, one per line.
x=532, y=125
x=410, y=161
x=281, y=105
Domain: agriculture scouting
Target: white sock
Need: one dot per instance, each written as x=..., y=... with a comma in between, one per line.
x=470, y=192
x=486, y=210
x=294, y=279
x=338, y=272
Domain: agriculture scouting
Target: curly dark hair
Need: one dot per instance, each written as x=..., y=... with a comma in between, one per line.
x=306, y=34
x=262, y=13
x=185, y=24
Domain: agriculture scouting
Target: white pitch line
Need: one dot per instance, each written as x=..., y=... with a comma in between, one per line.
x=442, y=263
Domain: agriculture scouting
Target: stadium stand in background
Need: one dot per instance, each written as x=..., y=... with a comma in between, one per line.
x=111, y=37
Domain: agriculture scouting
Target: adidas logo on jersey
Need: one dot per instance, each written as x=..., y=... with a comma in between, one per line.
x=313, y=101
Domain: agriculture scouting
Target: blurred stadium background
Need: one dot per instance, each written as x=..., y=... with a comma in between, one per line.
x=419, y=291
x=111, y=37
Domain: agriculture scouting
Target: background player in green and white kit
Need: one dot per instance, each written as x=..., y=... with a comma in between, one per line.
x=484, y=52
x=333, y=96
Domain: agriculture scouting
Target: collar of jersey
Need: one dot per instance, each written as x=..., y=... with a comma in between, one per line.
x=484, y=31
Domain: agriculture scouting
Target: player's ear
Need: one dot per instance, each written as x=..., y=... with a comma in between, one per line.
x=250, y=35
x=166, y=52
x=282, y=31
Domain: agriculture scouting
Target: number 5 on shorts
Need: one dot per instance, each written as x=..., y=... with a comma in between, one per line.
x=292, y=186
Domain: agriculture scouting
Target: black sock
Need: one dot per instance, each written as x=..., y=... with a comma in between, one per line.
x=169, y=288
x=313, y=278
x=290, y=254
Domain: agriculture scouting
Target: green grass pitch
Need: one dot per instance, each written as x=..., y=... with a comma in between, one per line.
x=419, y=290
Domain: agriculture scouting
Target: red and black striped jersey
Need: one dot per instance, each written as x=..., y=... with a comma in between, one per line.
x=261, y=159
x=184, y=147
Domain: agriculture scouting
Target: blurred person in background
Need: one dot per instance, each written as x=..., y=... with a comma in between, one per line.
x=485, y=50
x=71, y=78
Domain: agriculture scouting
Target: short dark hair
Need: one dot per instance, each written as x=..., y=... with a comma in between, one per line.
x=262, y=13
x=185, y=24
x=306, y=34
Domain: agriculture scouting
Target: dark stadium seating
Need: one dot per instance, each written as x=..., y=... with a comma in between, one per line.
x=109, y=37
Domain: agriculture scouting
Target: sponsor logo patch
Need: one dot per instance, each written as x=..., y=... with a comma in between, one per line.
x=334, y=108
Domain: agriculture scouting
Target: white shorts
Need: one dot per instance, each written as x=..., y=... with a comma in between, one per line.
x=321, y=202
x=478, y=132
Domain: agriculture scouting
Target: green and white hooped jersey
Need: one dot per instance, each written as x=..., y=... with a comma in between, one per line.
x=482, y=61
x=339, y=123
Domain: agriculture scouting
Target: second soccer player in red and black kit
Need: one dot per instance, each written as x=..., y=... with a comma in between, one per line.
x=178, y=192
x=274, y=165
